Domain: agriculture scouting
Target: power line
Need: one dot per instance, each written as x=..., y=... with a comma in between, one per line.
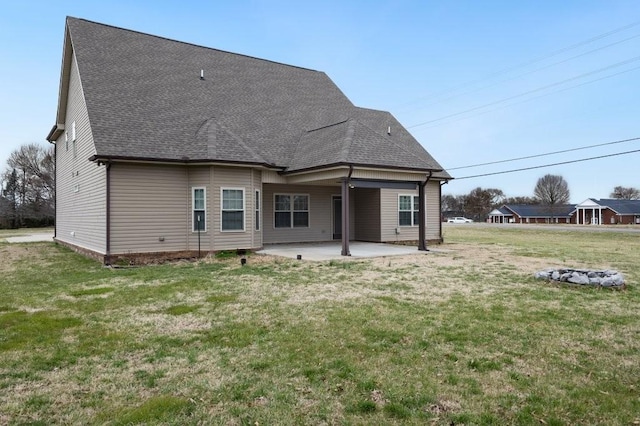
x=539, y=59
x=548, y=165
x=543, y=155
x=535, y=97
x=530, y=72
x=617, y=64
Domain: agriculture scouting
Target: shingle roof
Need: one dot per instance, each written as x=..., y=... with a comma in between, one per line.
x=538, y=210
x=146, y=100
x=624, y=207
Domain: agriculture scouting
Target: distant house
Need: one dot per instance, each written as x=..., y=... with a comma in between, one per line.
x=607, y=211
x=532, y=213
x=166, y=148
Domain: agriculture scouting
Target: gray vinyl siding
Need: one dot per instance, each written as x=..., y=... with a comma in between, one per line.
x=257, y=186
x=234, y=178
x=432, y=194
x=320, y=217
x=200, y=177
x=149, y=202
x=80, y=184
x=367, y=214
x=389, y=214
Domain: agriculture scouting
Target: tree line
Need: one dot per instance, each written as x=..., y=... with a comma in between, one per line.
x=550, y=190
x=27, y=188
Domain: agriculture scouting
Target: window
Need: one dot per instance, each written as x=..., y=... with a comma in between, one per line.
x=199, y=198
x=232, y=209
x=73, y=139
x=408, y=210
x=291, y=211
x=257, y=206
x=66, y=141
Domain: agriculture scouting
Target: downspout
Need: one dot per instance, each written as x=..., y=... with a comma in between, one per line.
x=107, y=259
x=55, y=191
x=345, y=213
x=422, y=225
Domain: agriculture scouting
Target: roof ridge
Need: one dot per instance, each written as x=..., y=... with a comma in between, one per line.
x=192, y=44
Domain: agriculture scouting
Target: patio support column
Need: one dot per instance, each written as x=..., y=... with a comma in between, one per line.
x=345, y=217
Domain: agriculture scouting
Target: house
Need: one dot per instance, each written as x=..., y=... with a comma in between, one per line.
x=532, y=213
x=607, y=211
x=165, y=148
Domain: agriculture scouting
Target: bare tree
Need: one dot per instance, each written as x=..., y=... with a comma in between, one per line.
x=552, y=191
x=625, y=193
x=480, y=201
x=30, y=185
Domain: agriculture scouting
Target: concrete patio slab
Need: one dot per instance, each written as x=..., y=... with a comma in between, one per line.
x=331, y=250
x=32, y=238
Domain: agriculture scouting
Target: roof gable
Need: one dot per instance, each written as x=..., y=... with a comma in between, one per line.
x=146, y=100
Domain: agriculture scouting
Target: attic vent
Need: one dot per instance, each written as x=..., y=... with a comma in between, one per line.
x=201, y=74
x=389, y=130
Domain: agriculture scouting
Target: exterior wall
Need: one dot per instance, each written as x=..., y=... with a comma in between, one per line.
x=149, y=203
x=234, y=178
x=80, y=184
x=152, y=208
x=320, y=216
x=389, y=214
x=434, y=224
x=367, y=214
x=200, y=177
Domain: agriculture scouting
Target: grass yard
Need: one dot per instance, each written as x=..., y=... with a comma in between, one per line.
x=462, y=337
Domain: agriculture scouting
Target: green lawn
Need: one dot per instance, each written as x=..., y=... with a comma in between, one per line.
x=466, y=337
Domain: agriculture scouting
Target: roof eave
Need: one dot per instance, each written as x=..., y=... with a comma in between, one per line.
x=55, y=132
x=364, y=165
x=179, y=161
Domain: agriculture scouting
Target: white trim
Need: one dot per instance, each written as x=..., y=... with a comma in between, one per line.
x=193, y=207
x=412, y=211
x=257, y=209
x=244, y=208
x=292, y=210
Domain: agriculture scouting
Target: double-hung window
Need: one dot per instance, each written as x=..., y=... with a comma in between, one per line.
x=232, y=209
x=408, y=210
x=199, y=197
x=291, y=211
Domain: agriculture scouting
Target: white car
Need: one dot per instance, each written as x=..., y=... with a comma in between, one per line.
x=459, y=220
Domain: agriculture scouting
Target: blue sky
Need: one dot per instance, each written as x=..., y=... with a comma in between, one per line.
x=492, y=80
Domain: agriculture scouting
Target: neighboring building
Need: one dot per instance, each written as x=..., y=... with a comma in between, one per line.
x=164, y=148
x=607, y=211
x=532, y=213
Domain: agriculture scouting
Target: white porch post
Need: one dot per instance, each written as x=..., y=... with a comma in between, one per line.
x=599, y=215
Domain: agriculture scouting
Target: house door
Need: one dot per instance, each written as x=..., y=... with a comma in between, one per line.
x=337, y=217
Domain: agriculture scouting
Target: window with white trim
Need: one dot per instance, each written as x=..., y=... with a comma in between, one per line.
x=257, y=208
x=232, y=209
x=408, y=210
x=73, y=139
x=291, y=210
x=199, y=207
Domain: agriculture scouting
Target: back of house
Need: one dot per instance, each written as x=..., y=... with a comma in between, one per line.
x=165, y=149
